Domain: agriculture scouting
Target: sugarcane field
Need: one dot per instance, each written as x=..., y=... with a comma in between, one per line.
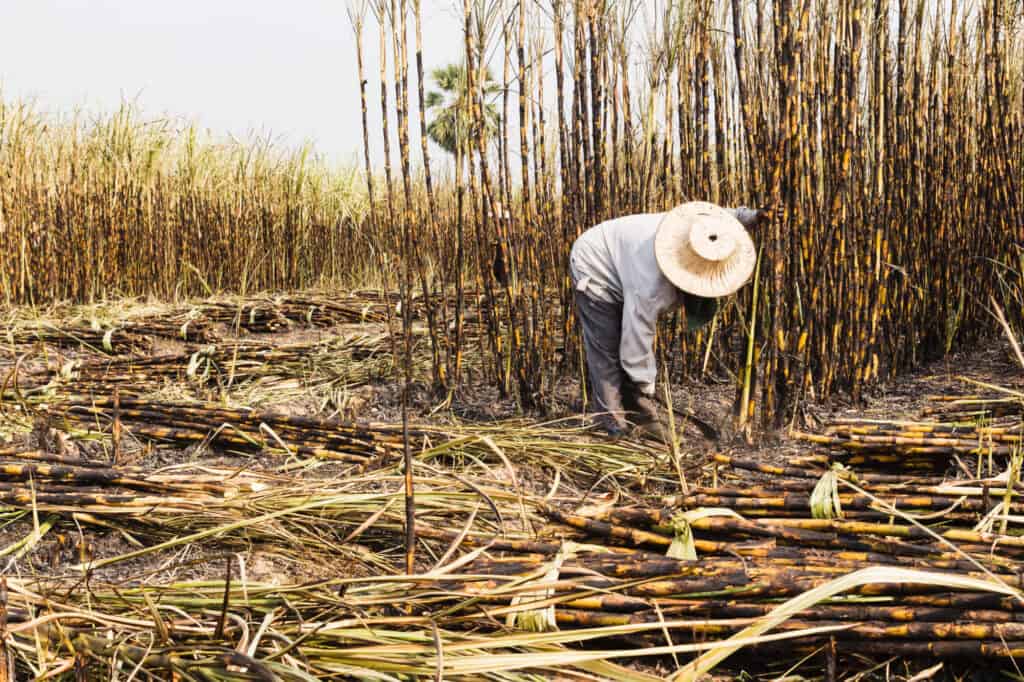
x=641, y=340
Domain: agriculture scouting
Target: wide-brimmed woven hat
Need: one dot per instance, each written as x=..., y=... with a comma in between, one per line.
x=702, y=249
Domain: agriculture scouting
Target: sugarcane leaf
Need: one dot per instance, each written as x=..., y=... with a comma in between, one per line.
x=542, y=619
x=683, y=546
x=866, y=576
x=824, y=501
x=193, y=364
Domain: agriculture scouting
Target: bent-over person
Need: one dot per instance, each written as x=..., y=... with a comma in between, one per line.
x=628, y=271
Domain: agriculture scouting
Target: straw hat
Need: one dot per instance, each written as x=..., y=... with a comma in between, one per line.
x=703, y=250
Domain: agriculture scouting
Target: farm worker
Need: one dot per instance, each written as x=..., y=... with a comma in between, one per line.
x=628, y=271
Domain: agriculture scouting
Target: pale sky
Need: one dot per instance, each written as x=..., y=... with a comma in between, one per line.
x=234, y=66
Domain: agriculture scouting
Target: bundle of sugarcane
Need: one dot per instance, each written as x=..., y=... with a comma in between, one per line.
x=146, y=373
x=595, y=580
x=886, y=517
x=731, y=529
x=190, y=326
x=471, y=299
x=43, y=469
x=588, y=586
x=928, y=499
x=97, y=489
x=962, y=437
x=651, y=560
x=836, y=509
x=985, y=425
x=341, y=356
x=110, y=340
x=1007, y=403
x=359, y=518
x=258, y=315
x=910, y=445
x=268, y=314
x=437, y=308
x=40, y=489
x=813, y=467
x=326, y=312
x=867, y=497
x=235, y=429
x=271, y=314
x=350, y=361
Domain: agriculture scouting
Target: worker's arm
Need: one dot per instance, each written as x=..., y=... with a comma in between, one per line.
x=750, y=217
x=699, y=310
x=636, y=348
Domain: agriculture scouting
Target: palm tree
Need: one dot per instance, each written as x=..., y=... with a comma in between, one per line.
x=450, y=126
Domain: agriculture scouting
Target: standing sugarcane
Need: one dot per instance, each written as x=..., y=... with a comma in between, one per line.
x=357, y=15
x=401, y=103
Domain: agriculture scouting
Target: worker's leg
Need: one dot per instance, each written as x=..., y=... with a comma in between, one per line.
x=601, y=323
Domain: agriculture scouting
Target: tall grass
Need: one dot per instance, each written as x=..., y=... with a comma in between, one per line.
x=91, y=207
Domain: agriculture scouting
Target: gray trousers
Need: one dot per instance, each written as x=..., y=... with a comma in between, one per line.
x=612, y=390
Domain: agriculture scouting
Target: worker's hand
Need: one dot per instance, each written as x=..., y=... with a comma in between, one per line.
x=765, y=215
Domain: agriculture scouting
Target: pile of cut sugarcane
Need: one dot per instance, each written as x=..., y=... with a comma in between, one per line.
x=285, y=512
x=921, y=446
x=719, y=594
x=671, y=575
x=233, y=429
x=202, y=322
x=52, y=480
x=980, y=426
x=350, y=360
x=128, y=335
x=270, y=314
x=116, y=340
x=131, y=418
x=712, y=560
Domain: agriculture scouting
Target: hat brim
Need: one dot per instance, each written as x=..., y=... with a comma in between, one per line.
x=688, y=271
